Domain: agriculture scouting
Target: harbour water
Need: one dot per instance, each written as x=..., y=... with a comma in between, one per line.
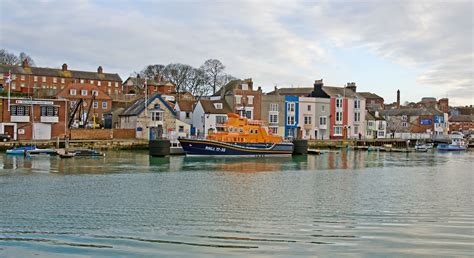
x=346, y=203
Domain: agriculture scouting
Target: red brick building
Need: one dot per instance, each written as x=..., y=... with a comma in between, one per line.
x=47, y=82
x=91, y=95
x=242, y=98
x=461, y=123
x=136, y=85
x=33, y=119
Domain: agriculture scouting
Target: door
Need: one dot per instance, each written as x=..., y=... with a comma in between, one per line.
x=41, y=131
x=10, y=130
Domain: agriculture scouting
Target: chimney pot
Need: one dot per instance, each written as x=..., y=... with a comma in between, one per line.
x=25, y=63
x=99, y=70
x=64, y=67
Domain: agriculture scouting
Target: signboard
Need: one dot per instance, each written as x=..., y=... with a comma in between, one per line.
x=425, y=121
x=33, y=102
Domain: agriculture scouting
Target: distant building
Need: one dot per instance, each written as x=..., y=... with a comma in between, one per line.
x=292, y=127
x=94, y=101
x=372, y=101
x=416, y=120
x=47, y=82
x=242, y=98
x=157, y=120
x=136, y=86
x=376, y=127
x=208, y=114
x=34, y=119
x=273, y=111
x=462, y=123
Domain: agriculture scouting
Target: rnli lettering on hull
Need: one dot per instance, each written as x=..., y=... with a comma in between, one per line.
x=217, y=149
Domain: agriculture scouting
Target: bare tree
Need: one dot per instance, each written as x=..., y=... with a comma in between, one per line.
x=213, y=69
x=178, y=74
x=8, y=58
x=196, y=83
x=24, y=56
x=153, y=71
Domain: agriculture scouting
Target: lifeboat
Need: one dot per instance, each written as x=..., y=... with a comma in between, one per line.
x=239, y=136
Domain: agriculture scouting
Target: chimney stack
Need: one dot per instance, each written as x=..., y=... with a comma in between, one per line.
x=352, y=86
x=64, y=67
x=25, y=63
x=398, y=98
x=99, y=70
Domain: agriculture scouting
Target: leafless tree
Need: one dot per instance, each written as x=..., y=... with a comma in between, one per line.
x=8, y=58
x=153, y=71
x=178, y=74
x=24, y=56
x=214, y=70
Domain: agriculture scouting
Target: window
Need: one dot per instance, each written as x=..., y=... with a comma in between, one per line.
x=338, y=103
x=250, y=100
x=82, y=80
x=307, y=120
x=221, y=119
x=92, y=81
x=322, y=108
x=357, y=117
x=357, y=103
x=84, y=92
x=290, y=120
x=22, y=77
x=72, y=92
x=96, y=104
x=188, y=114
x=22, y=85
x=309, y=107
x=104, y=104
x=404, y=118
x=116, y=85
x=381, y=134
x=13, y=85
x=273, y=130
x=291, y=106
x=62, y=80
x=245, y=86
x=155, y=116
x=109, y=91
x=218, y=105
x=404, y=124
x=44, y=78
x=55, y=80
x=95, y=93
x=248, y=114
x=338, y=116
x=73, y=103
x=99, y=83
x=49, y=111
x=238, y=99
x=35, y=78
x=338, y=130
x=356, y=129
x=381, y=125
x=116, y=91
x=181, y=129
x=109, y=84
x=273, y=118
x=273, y=107
x=322, y=120
x=18, y=110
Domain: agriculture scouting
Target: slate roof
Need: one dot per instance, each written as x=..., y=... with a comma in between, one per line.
x=138, y=106
x=53, y=72
x=342, y=91
x=370, y=95
x=141, y=81
x=462, y=118
x=186, y=106
x=329, y=90
x=371, y=116
x=228, y=87
x=411, y=112
x=208, y=106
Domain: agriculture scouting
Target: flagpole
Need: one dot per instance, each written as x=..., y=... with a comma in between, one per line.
x=9, y=87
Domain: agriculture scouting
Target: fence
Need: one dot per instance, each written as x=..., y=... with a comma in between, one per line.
x=101, y=134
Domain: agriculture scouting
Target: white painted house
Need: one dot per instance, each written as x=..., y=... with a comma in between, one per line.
x=207, y=114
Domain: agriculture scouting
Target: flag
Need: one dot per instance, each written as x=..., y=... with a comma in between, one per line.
x=8, y=80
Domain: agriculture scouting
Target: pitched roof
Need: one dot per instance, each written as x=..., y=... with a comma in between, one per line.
x=65, y=93
x=186, y=105
x=369, y=95
x=462, y=118
x=293, y=91
x=208, y=106
x=329, y=90
x=341, y=91
x=228, y=87
x=53, y=72
x=138, y=106
x=371, y=116
x=411, y=112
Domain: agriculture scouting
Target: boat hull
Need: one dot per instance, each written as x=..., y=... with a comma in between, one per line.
x=194, y=147
x=450, y=147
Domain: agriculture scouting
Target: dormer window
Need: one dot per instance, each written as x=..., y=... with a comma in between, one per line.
x=245, y=86
x=218, y=105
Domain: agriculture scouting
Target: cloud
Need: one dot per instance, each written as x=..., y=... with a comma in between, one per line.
x=284, y=42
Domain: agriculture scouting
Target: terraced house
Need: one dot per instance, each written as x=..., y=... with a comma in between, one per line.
x=47, y=82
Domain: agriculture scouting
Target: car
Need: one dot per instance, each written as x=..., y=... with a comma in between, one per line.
x=5, y=137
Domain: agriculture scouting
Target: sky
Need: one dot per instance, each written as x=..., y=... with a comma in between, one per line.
x=423, y=48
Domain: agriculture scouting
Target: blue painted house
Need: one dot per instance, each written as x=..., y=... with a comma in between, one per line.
x=291, y=116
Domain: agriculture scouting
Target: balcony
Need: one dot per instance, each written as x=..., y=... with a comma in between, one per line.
x=20, y=119
x=49, y=119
